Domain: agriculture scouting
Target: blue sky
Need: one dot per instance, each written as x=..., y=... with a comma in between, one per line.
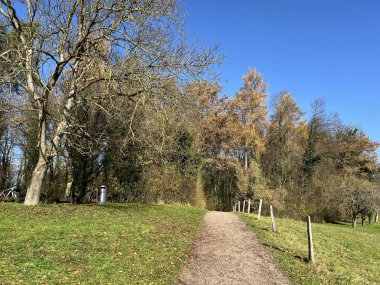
x=321, y=49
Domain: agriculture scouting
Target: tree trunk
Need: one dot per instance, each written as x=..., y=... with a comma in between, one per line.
x=47, y=152
x=34, y=190
x=199, y=199
x=353, y=221
x=246, y=163
x=369, y=218
x=70, y=179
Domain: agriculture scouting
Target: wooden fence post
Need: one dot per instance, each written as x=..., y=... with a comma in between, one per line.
x=310, y=239
x=249, y=206
x=272, y=218
x=244, y=206
x=259, y=212
x=239, y=206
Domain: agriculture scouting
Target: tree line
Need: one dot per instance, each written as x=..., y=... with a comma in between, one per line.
x=112, y=93
x=316, y=167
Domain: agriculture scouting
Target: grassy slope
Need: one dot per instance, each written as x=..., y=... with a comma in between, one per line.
x=343, y=255
x=89, y=244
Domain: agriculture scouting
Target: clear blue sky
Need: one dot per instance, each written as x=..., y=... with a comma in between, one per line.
x=327, y=49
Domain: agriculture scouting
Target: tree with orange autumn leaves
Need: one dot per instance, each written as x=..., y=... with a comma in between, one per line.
x=299, y=166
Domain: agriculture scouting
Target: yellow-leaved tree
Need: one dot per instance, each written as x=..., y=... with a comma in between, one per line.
x=247, y=123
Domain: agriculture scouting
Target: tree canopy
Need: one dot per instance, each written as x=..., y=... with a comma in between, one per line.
x=112, y=93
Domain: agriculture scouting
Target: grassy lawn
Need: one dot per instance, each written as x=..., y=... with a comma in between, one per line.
x=343, y=255
x=90, y=244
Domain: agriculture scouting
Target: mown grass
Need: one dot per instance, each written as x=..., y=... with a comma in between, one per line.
x=343, y=255
x=90, y=244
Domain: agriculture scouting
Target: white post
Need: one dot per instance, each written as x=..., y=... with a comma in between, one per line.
x=249, y=206
x=377, y=218
x=272, y=217
x=239, y=206
x=244, y=206
x=259, y=212
x=310, y=239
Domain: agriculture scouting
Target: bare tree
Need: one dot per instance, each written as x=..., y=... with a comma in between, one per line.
x=360, y=196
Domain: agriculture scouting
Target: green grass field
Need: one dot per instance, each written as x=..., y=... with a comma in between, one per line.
x=90, y=244
x=343, y=255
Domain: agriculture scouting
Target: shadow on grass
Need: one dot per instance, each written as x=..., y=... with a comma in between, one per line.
x=136, y=207
x=260, y=228
x=300, y=258
x=339, y=223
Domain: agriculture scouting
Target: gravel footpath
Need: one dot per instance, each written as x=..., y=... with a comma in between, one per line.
x=226, y=251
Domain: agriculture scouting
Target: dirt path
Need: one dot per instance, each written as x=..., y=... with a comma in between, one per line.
x=226, y=251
